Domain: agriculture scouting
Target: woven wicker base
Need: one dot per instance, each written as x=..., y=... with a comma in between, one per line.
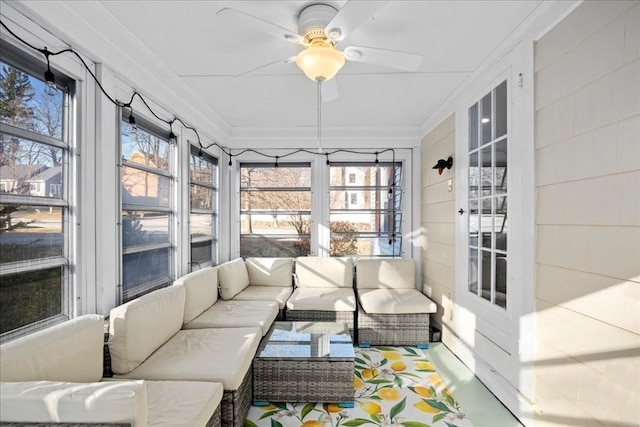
x=214, y=421
x=393, y=329
x=236, y=403
x=347, y=317
x=303, y=381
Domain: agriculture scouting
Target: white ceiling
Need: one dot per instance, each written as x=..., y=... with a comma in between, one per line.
x=204, y=52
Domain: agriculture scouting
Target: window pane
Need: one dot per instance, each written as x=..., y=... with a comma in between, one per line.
x=30, y=233
x=473, y=270
x=377, y=222
x=201, y=197
x=345, y=244
x=266, y=246
x=30, y=168
x=145, y=271
x=144, y=188
x=485, y=118
x=274, y=224
x=486, y=223
x=364, y=199
x=30, y=297
x=474, y=222
x=275, y=200
x=501, y=223
x=200, y=169
x=486, y=275
x=272, y=177
x=27, y=105
x=500, y=158
x=474, y=175
x=486, y=173
x=501, y=109
x=473, y=127
x=201, y=225
x=201, y=253
x=139, y=146
x=144, y=228
x=501, y=280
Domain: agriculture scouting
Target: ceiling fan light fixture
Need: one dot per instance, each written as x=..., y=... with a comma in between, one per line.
x=320, y=61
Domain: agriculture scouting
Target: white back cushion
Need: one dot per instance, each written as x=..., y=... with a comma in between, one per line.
x=385, y=274
x=324, y=272
x=270, y=271
x=139, y=327
x=47, y=401
x=233, y=278
x=70, y=351
x=201, y=291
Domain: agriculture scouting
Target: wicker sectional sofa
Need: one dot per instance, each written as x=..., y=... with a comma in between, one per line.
x=54, y=377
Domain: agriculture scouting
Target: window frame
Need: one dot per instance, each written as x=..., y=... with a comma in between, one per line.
x=14, y=57
x=144, y=125
x=214, y=187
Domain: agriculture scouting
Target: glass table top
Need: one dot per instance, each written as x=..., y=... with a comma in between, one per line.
x=307, y=341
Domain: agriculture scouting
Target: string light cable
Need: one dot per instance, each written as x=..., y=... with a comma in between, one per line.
x=50, y=80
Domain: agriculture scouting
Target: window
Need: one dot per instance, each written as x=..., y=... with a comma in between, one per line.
x=365, y=217
x=202, y=222
x=275, y=209
x=147, y=219
x=487, y=198
x=352, y=178
x=35, y=284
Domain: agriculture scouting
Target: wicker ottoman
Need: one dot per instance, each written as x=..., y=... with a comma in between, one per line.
x=305, y=362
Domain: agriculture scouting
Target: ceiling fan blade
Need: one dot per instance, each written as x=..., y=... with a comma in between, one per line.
x=266, y=27
x=288, y=60
x=329, y=90
x=351, y=16
x=387, y=58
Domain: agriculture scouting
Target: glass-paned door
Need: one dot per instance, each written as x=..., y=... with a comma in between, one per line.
x=487, y=197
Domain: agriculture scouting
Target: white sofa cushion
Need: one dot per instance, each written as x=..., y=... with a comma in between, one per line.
x=49, y=401
x=385, y=274
x=270, y=271
x=265, y=293
x=324, y=272
x=182, y=403
x=234, y=314
x=322, y=299
x=395, y=301
x=70, y=351
x=233, y=278
x=201, y=291
x=221, y=355
x=139, y=327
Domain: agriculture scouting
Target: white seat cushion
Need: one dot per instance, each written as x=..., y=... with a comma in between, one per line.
x=182, y=403
x=395, y=301
x=220, y=355
x=265, y=293
x=70, y=351
x=270, y=271
x=232, y=277
x=385, y=274
x=234, y=314
x=319, y=299
x=201, y=291
x=324, y=272
x=97, y=402
x=139, y=327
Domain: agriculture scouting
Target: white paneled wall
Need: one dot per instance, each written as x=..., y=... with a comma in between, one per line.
x=438, y=225
x=587, y=363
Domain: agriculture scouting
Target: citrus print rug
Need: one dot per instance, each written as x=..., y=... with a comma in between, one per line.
x=394, y=387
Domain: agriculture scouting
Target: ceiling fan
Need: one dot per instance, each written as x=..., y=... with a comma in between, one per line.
x=321, y=27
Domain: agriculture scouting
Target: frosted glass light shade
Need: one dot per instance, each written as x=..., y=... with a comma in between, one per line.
x=320, y=62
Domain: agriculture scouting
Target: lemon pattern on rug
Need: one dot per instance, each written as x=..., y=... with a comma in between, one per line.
x=394, y=387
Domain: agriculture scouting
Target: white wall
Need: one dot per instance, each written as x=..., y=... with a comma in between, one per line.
x=587, y=358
